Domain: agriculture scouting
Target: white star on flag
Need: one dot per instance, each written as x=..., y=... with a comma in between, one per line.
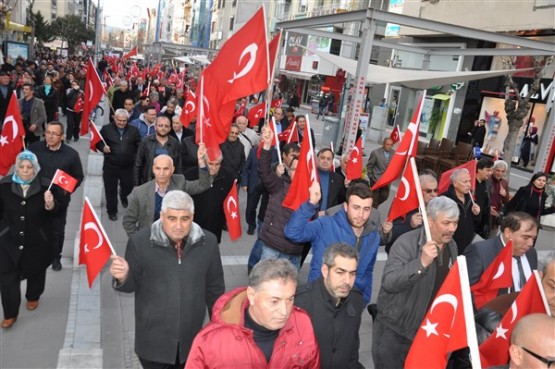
x=234, y=214
x=430, y=328
x=500, y=332
x=355, y=160
x=3, y=140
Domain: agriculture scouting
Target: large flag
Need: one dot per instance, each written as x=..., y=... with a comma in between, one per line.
x=231, y=210
x=498, y=275
x=94, y=246
x=242, y=65
x=495, y=350
x=189, y=111
x=96, y=137
x=449, y=324
x=11, y=137
x=272, y=50
x=407, y=148
x=395, y=134
x=256, y=113
x=132, y=52
x=94, y=89
x=304, y=175
x=406, y=198
x=445, y=180
x=64, y=181
x=354, y=164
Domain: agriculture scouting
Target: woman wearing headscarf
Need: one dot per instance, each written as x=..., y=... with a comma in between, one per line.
x=26, y=239
x=531, y=198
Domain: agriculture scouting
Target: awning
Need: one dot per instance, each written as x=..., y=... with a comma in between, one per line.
x=300, y=75
x=441, y=97
x=202, y=59
x=184, y=59
x=417, y=79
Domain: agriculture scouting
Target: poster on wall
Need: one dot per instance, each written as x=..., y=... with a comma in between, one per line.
x=294, y=40
x=17, y=49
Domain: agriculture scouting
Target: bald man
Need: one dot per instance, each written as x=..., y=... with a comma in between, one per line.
x=548, y=284
x=533, y=342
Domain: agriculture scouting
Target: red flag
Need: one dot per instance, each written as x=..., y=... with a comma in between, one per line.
x=189, y=111
x=406, y=198
x=445, y=179
x=64, y=180
x=395, y=134
x=96, y=137
x=272, y=50
x=495, y=350
x=444, y=327
x=133, y=72
x=146, y=91
x=304, y=175
x=406, y=149
x=108, y=81
x=354, y=164
x=94, y=89
x=94, y=246
x=497, y=275
x=11, y=137
x=231, y=210
x=132, y=52
x=78, y=106
x=276, y=103
x=291, y=134
x=241, y=67
x=256, y=113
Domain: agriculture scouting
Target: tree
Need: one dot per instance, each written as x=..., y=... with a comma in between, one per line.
x=517, y=107
x=72, y=30
x=41, y=28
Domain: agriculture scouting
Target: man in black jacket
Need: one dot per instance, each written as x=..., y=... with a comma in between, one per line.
x=335, y=308
x=54, y=154
x=120, y=145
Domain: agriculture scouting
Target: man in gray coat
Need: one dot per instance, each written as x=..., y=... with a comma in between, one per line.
x=145, y=201
x=377, y=164
x=175, y=269
x=412, y=275
x=33, y=114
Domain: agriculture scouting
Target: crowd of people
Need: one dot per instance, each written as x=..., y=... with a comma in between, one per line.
x=172, y=193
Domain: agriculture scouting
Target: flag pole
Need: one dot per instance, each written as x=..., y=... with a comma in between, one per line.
x=421, y=202
x=307, y=128
x=99, y=135
x=52, y=181
x=292, y=131
x=100, y=225
x=420, y=109
x=271, y=72
x=201, y=115
x=277, y=140
x=468, y=311
x=542, y=292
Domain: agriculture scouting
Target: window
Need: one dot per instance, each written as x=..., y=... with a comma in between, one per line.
x=231, y=22
x=303, y=5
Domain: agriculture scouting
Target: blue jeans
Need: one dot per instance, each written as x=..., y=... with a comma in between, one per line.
x=255, y=254
x=269, y=252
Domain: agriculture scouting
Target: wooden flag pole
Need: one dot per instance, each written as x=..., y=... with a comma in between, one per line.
x=421, y=202
x=200, y=116
x=277, y=140
x=468, y=311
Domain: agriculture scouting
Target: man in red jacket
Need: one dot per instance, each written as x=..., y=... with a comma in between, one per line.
x=257, y=327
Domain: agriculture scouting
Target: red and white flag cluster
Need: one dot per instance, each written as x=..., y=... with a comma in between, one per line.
x=11, y=137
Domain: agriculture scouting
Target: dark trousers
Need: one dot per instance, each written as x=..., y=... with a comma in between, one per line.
x=73, y=125
x=147, y=364
x=389, y=349
x=253, y=197
x=10, y=290
x=112, y=177
x=59, y=229
x=31, y=138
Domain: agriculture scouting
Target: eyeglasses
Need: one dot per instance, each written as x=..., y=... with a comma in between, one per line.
x=544, y=360
x=50, y=133
x=234, y=133
x=430, y=190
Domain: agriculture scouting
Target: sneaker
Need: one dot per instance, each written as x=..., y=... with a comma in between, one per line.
x=56, y=265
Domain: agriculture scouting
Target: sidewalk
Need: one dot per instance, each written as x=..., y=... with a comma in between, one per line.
x=78, y=328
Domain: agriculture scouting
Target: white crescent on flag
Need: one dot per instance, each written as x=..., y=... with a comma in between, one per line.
x=406, y=186
x=448, y=299
x=90, y=91
x=93, y=226
x=15, y=127
x=192, y=107
x=63, y=179
x=500, y=271
x=250, y=50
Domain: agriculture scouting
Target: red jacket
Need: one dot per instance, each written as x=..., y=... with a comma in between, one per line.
x=226, y=343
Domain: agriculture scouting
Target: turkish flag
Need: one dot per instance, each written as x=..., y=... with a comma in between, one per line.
x=272, y=50
x=108, y=81
x=78, y=106
x=407, y=148
x=11, y=137
x=443, y=329
x=146, y=91
x=304, y=175
x=276, y=103
x=274, y=130
x=241, y=68
x=189, y=111
x=445, y=180
x=231, y=210
x=94, y=89
x=256, y=113
x=395, y=134
x=498, y=275
x=291, y=134
x=406, y=198
x=94, y=246
x=96, y=137
x=495, y=350
x=64, y=180
x=133, y=72
x=354, y=164
x=132, y=52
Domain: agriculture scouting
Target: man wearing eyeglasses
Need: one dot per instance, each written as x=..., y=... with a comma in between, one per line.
x=533, y=343
x=53, y=155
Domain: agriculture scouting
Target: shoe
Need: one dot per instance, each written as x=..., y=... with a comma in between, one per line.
x=32, y=305
x=56, y=265
x=124, y=203
x=251, y=230
x=75, y=139
x=7, y=323
x=112, y=217
x=373, y=310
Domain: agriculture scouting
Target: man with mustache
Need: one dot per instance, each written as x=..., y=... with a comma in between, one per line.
x=412, y=275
